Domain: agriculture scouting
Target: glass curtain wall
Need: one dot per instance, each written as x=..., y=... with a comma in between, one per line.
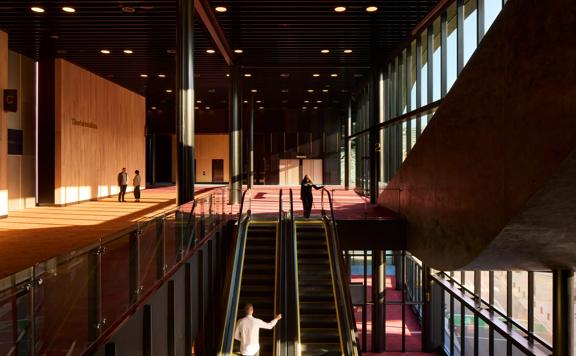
x=413, y=83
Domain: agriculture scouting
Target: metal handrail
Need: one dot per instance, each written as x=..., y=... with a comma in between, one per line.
x=345, y=300
x=235, y=280
x=295, y=336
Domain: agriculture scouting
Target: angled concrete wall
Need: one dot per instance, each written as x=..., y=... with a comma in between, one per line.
x=503, y=130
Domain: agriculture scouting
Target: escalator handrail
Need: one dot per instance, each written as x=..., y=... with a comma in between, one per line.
x=234, y=281
x=344, y=298
x=295, y=297
x=278, y=280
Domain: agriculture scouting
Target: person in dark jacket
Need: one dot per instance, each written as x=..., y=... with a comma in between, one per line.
x=306, y=194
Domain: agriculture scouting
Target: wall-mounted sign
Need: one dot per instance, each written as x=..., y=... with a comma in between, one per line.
x=10, y=100
x=15, y=142
x=83, y=123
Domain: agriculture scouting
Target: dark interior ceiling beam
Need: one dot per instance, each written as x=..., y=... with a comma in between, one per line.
x=206, y=13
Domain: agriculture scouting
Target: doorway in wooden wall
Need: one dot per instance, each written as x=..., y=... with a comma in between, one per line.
x=291, y=171
x=217, y=170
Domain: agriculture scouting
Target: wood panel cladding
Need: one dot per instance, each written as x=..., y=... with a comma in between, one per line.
x=3, y=127
x=100, y=128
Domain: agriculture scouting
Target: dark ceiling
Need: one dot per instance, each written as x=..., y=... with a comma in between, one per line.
x=278, y=38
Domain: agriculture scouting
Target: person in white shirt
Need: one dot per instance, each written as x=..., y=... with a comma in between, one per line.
x=247, y=331
x=136, y=182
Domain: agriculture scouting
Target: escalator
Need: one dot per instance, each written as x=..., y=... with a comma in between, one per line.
x=319, y=329
x=258, y=279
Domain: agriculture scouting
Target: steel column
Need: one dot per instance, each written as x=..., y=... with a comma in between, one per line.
x=563, y=312
x=378, y=286
x=185, y=102
x=347, y=147
x=234, y=112
x=373, y=119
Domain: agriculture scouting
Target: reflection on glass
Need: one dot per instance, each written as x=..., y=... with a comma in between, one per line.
x=451, y=46
x=500, y=294
x=413, y=70
x=520, y=297
x=485, y=285
x=543, y=305
x=469, y=332
x=457, y=327
x=437, y=62
x=500, y=344
x=469, y=280
x=424, y=68
x=491, y=10
x=447, y=325
x=483, y=338
x=470, y=29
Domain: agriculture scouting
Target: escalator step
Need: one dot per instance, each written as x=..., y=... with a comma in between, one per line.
x=327, y=349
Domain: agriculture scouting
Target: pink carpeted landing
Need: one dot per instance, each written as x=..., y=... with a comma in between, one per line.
x=393, y=323
x=348, y=205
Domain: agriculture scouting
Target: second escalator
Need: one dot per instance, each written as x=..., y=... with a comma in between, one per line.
x=258, y=278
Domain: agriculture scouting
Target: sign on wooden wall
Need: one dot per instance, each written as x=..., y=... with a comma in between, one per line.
x=10, y=100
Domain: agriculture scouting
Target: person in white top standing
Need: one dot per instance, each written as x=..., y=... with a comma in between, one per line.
x=247, y=331
x=136, y=182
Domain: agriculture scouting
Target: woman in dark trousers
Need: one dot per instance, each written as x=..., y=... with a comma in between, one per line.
x=306, y=194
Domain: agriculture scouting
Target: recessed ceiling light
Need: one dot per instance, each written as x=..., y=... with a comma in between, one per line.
x=319, y=101
x=54, y=37
x=207, y=108
x=315, y=108
x=254, y=91
x=238, y=51
x=210, y=51
x=37, y=9
x=261, y=108
x=371, y=8
x=144, y=75
x=68, y=9
x=304, y=107
x=316, y=75
x=105, y=51
x=128, y=9
x=247, y=75
x=340, y=9
x=220, y=9
x=171, y=51
x=284, y=90
x=168, y=90
x=161, y=75
x=227, y=74
x=325, y=51
x=128, y=51
x=199, y=101
x=324, y=90
x=333, y=75
x=153, y=108
x=284, y=75
x=245, y=101
x=310, y=90
x=258, y=101
x=306, y=101
x=196, y=108
x=347, y=51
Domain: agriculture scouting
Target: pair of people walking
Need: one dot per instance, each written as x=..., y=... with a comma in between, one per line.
x=123, y=184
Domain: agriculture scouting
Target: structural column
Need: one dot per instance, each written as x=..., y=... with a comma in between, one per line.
x=563, y=312
x=373, y=117
x=235, y=113
x=378, y=296
x=347, y=133
x=185, y=102
x=251, y=148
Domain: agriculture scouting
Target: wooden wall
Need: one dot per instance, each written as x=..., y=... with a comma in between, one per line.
x=207, y=148
x=100, y=128
x=3, y=126
x=22, y=167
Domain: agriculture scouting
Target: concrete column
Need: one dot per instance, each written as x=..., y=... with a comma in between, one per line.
x=235, y=113
x=563, y=312
x=185, y=102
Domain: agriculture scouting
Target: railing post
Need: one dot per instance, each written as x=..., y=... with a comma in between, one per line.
x=134, y=265
x=378, y=312
x=161, y=251
x=95, y=321
x=563, y=312
x=32, y=291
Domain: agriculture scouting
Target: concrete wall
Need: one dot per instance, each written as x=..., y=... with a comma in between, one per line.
x=22, y=168
x=504, y=128
x=99, y=130
x=3, y=126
